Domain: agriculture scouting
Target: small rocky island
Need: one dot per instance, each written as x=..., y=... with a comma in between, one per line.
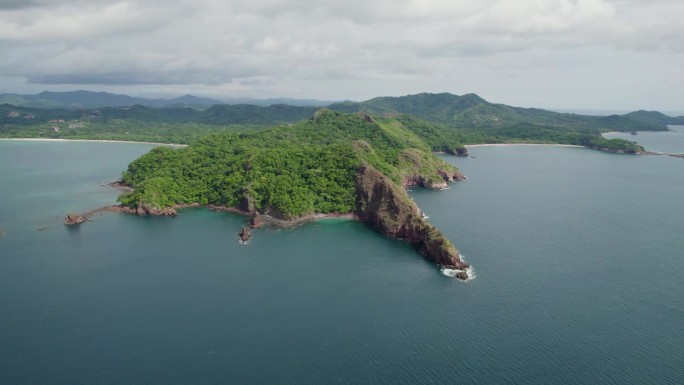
x=334, y=164
x=74, y=219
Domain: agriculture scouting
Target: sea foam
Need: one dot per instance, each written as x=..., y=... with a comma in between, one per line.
x=452, y=272
x=469, y=270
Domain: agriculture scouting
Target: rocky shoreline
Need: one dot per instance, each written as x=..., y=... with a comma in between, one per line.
x=381, y=204
x=388, y=209
x=674, y=155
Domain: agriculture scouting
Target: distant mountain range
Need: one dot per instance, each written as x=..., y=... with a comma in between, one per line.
x=655, y=117
x=464, y=112
x=90, y=100
x=471, y=111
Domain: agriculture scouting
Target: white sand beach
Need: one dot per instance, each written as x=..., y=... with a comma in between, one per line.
x=93, y=140
x=519, y=144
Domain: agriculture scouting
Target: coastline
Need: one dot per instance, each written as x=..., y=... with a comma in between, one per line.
x=185, y=145
x=276, y=222
x=94, y=141
x=266, y=219
x=521, y=144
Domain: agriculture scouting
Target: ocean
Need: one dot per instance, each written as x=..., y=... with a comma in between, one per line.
x=659, y=141
x=577, y=257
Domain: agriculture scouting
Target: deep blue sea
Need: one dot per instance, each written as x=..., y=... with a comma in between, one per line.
x=578, y=255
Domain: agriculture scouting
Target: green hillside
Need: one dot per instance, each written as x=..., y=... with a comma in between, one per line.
x=472, y=112
x=655, y=117
x=287, y=171
x=332, y=163
x=443, y=121
x=222, y=114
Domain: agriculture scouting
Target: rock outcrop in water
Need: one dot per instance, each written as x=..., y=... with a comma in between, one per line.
x=388, y=209
x=245, y=234
x=74, y=219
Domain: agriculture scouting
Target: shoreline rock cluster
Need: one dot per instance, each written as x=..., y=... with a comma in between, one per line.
x=74, y=219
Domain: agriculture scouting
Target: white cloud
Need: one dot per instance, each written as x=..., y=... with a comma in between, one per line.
x=332, y=49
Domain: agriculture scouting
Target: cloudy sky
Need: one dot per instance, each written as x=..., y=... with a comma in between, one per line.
x=583, y=54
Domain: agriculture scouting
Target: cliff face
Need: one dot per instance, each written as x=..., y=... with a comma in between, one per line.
x=434, y=183
x=388, y=209
x=144, y=209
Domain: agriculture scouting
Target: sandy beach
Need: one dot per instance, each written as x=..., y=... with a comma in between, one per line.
x=185, y=145
x=93, y=140
x=520, y=144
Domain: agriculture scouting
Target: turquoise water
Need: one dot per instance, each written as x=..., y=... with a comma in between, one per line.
x=577, y=255
x=669, y=142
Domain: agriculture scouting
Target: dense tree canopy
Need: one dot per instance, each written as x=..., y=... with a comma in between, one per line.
x=285, y=171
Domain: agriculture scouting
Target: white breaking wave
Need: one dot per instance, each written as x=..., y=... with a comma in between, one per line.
x=450, y=272
x=470, y=271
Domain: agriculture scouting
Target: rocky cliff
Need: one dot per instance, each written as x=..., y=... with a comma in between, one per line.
x=145, y=209
x=386, y=207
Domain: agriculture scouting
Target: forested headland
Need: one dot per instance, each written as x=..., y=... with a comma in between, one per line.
x=332, y=163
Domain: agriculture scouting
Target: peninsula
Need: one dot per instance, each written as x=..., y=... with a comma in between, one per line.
x=331, y=164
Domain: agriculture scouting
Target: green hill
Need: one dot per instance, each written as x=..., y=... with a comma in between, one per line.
x=90, y=100
x=472, y=112
x=222, y=114
x=655, y=117
x=443, y=121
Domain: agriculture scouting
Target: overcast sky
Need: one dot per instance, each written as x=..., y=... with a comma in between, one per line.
x=589, y=54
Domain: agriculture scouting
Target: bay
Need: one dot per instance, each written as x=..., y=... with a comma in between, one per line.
x=577, y=256
x=660, y=141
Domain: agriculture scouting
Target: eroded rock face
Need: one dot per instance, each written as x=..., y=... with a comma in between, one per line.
x=419, y=180
x=74, y=219
x=144, y=209
x=247, y=204
x=459, y=151
x=432, y=183
x=256, y=221
x=387, y=208
x=451, y=176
